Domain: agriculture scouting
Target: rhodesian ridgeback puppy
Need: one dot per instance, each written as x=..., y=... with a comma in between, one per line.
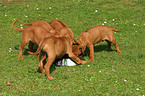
x=94, y=35
x=34, y=34
x=55, y=47
x=61, y=27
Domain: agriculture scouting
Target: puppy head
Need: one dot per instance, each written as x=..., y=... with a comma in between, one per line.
x=77, y=50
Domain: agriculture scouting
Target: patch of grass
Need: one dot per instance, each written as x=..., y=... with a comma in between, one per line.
x=110, y=74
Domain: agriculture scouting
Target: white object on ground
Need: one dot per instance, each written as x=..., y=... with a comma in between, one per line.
x=66, y=62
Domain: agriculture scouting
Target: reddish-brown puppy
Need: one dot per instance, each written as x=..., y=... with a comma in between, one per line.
x=61, y=27
x=34, y=33
x=94, y=35
x=55, y=47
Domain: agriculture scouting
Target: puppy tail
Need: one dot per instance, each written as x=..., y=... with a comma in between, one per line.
x=17, y=29
x=38, y=50
x=25, y=23
x=115, y=30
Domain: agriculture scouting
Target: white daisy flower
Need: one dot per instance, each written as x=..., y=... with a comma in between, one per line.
x=88, y=65
x=5, y=15
x=125, y=80
x=102, y=24
x=134, y=24
x=113, y=20
x=105, y=22
x=26, y=16
x=49, y=7
x=37, y=8
x=96, y=10
x=137, y=89
x=100, y=71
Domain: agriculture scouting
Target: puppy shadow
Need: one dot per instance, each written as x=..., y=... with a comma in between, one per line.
x=25, y=50
x=98, y=48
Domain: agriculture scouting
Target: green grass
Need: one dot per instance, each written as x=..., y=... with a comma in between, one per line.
x=110, y=74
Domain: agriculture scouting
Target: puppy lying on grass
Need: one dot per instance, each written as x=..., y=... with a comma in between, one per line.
x=94, y=35
x=55, y=47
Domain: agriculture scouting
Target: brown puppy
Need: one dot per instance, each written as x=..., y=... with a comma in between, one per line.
x=34, y=34
x=94, y=35
x=55, y=47
x=61, y=27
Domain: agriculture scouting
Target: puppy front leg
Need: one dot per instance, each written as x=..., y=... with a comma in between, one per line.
x=91, y=48
x=75, y=58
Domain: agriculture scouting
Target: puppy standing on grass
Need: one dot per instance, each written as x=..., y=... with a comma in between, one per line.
x=34, y=34
x=94, y=35
x=55, y=47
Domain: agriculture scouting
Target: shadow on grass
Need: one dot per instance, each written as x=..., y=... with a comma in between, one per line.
x=25, y=51
x=98, y=48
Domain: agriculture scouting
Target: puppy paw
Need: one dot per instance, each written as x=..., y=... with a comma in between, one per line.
x=91, y=60
x=50, y=78
x=43, y=71
x=20, y=57
x=119, y=52
x=83, y=62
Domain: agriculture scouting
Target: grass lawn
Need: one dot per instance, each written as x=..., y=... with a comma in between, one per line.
x=110, y=74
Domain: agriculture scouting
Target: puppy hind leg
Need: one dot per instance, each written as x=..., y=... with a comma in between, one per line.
x=40, y=65
x=47, y=67
x=24, y=42
x=116, y=45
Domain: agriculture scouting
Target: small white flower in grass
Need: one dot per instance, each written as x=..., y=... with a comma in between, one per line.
x=96, y=10
x=144, y=24
x=88, y=65
x=105, y=22
x=102, y=24
x=14, y=19
x=79, y=90
x=5, y=15
x=27, y=5
x=37, y=8
x=10, y=49
x=125, y=80
x=100, y=71
x=113, y=20
x=137, y=89
x=134, y=24
x=39, y=14
x=26, y=16
x=135, y=31
x=49, y=7
x=21, y=27
x=116, y=81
